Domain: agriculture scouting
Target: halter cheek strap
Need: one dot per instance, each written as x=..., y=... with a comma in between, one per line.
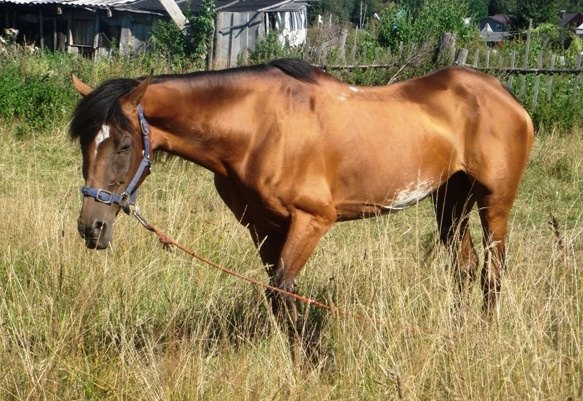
x=129, y=196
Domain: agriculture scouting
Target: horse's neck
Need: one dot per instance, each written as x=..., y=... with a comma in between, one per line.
x=204, y=125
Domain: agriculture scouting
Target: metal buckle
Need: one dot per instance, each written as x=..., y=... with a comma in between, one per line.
x=125, y=201
x=144, y=127
x=104, y=196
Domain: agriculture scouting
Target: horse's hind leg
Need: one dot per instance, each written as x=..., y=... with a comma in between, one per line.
x=494, y=208
x=453, y=202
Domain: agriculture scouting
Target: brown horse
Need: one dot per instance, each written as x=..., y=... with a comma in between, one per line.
x=294, y=150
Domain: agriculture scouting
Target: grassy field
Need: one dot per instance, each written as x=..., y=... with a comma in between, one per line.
x=136, y=322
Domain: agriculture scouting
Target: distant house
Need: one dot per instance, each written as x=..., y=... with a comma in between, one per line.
x=573, y=21
x=95, y=27
x=494, y=28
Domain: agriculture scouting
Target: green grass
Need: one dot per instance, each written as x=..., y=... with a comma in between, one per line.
x=135, y=322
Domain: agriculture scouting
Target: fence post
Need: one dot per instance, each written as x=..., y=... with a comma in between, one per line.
x=354, y=44
x=477, y=58
x=512, y=64
x=446, y=51
x=525, y=63
x=462, y=56
x=539, y=65
x=342, y=46
x=577, y=77
x=550, y=78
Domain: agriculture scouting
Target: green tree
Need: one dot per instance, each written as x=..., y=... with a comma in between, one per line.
x=478, y=8
x=343, y=9
x=437, y=17
x=396, y=26
x=401, y=24
x=201, y=29
x=540, y=11
x=501, y=6
x=571, y=5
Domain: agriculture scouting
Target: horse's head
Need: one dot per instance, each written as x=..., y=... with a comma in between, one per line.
x=114, y=150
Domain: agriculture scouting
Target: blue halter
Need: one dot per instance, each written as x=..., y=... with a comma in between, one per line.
x=129, y=196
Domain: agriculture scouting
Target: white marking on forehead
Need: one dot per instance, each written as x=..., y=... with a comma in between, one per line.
x=410, y=195
x=102, y=135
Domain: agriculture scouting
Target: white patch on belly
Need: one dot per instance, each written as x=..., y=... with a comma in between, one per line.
x=410, y=195
x=102, y=135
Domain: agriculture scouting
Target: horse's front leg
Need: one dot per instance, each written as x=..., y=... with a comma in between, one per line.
x=302, y=237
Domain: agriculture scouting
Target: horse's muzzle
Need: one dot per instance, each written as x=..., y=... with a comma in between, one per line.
x=97, y=235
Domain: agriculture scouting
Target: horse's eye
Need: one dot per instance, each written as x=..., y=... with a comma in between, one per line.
x=124, y=148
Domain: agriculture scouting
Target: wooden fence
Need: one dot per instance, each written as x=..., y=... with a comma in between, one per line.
x=533, y=84
x=533, y=79
x=547, y=67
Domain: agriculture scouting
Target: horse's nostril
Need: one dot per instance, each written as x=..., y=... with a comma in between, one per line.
x=99, y=225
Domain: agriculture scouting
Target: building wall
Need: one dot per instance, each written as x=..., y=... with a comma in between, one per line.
x=238, y=32
x=235, y=33
x=80, y=31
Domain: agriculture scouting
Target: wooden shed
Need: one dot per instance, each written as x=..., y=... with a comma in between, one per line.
x=88, y=27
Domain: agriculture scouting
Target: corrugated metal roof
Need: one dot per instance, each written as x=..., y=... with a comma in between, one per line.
x=76, y=3
x=154, y=5
x=138, y=6
x=252, y=5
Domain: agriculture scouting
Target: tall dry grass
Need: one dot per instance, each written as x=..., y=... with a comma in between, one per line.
x=135, y=322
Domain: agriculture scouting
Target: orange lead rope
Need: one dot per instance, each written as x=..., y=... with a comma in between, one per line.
x=167, y=241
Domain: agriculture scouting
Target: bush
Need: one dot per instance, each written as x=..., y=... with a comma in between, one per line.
x=35, y=90
x=399, y=24
x=270, y=47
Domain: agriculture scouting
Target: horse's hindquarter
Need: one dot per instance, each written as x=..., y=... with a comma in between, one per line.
x=411, y=137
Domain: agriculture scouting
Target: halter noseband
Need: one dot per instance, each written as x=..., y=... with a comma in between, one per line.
x=128, y=197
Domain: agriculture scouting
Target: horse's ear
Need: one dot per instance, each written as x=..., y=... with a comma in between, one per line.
x=81, y=87
x=135, y=96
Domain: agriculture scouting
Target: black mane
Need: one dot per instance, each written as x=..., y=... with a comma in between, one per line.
x=297, y=69
x=101, y=107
